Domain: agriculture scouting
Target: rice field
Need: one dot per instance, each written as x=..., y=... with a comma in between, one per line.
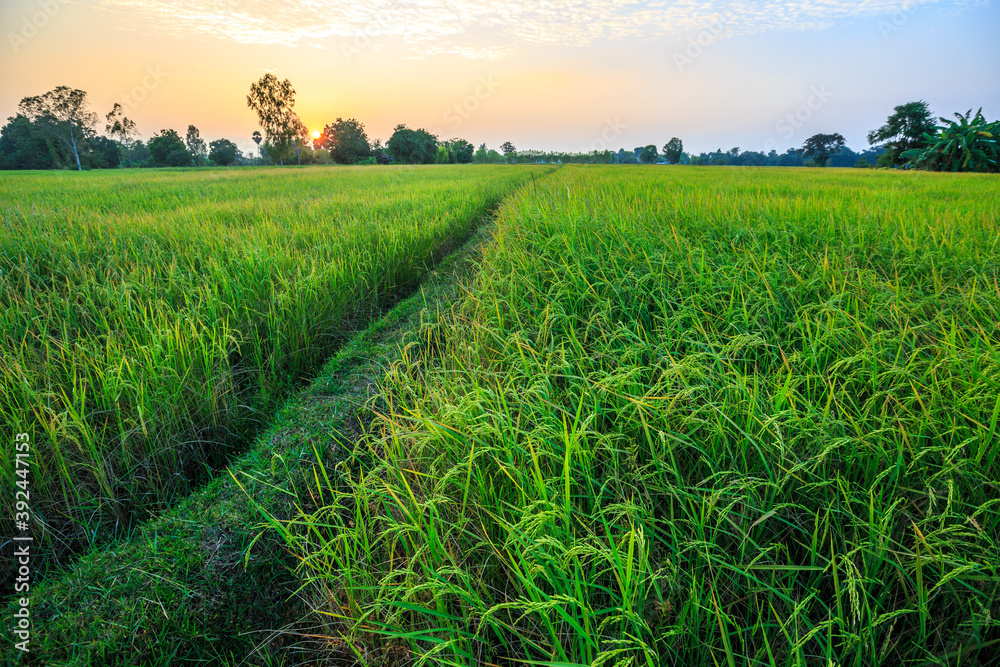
x=686, y=416
x=151, y=321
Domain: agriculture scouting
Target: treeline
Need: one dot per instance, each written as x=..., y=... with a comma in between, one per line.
x=25, y=144
x=909, y=139
x=793, y=157
x=57, y=130
x=286, y=138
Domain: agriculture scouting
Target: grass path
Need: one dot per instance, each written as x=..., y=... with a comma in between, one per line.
x=152, y=322
x=689, y=416
x=192, y=584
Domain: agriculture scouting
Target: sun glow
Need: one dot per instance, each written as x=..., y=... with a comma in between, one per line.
x=316, y=134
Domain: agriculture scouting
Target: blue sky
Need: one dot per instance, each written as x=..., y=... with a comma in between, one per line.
x=560, y=74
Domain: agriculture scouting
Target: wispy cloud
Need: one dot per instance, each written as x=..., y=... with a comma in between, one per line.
x=446, y=26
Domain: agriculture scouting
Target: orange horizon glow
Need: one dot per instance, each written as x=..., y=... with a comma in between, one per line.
x=560, y=75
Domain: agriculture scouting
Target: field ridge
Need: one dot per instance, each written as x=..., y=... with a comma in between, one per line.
x=195, y=583
x=149, y=331
x=687, y=416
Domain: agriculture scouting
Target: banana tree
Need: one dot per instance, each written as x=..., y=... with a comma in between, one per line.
x=966, y=144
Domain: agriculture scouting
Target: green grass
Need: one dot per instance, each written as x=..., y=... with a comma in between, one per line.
x=151, y=321
x=195, y=585
x=686, y=416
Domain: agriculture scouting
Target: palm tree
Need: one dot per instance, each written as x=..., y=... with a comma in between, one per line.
x=256, y=139
x=966, y=144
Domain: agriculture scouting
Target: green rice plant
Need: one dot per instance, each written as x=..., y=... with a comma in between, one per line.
x=151, y=322
x=686, y=416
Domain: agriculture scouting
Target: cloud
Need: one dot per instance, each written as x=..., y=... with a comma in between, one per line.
x=447, y=26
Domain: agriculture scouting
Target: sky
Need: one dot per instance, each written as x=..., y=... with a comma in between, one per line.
x=571, y=75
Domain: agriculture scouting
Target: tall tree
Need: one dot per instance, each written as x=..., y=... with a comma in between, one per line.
x=273, y=101
x=64, y=114
x=347, y=141
x=257, y=138
x=102, y=153
x=903, y=131
x=167, y=149
x=412, y=146
x=648, y=155
x=627, y=157
x=460, y=150
x=288, y=142
x=481, y=155
x=223, y=152
x=121, y=129
x=140, y=153
x=196, y=146
x=508, y=148
x=819, y=147
x=300, y=137
x=24, y=145
x=673, y=150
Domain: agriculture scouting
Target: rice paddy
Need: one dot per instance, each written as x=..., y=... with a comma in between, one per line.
x=151, y=321
x=675, y=416
x=689, y=416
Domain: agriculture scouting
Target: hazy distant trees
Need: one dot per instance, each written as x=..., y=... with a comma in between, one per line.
x=223, y=152
x=347, y=141
x=903, y=131
x=460, y=151
x=63, y=113
x=412, y=146
x=56, y=131
x=196, y=146
x=820, y=147
x=484, y=155
x=167, y=149
x=257, y=138
x=103, y=152
x=300, y=137
x=627, y=157
x=673, y=150
x=597, y=157
x=121, y=129
x=793, y=157
x=322, y=156
x=24, y=145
